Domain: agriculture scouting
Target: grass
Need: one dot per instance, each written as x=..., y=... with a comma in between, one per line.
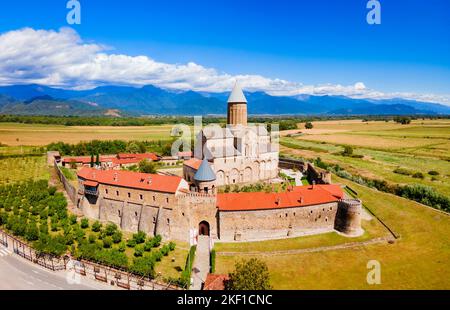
x=13, y=134
x=372, y=229
x=172, y=265
x=419, y=260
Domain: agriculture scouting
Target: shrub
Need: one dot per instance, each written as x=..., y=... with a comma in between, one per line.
x=309, y=125
x=107, y=242
x=110, y=229
x=84, y=223
x=402, y=171
x=348, y=151
x=148, y=245
x=418, y=175
x=139, y=250
x=122, y=246
x=131, y=243
x=32, y=232
x=96, y=226
x=165, y=250
x=92, y=238
x=72, y=219
x=172, y=246
x=157, y=241
x=117, y=236
x=139, y=237
x=144, y=266
x=432, y=172
x=425, y=195
x=157, y=256
x=213, y=261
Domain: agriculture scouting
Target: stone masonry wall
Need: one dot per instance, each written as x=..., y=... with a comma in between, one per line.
x=276, y=223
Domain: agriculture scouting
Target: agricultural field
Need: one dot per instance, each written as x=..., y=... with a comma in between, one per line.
x=17, y=169
x=417, y=260
x=12, y=134
x=384, y=147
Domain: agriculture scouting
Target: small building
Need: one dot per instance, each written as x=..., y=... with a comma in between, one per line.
x=215, y=282
x=169, y=160
x=117, y=162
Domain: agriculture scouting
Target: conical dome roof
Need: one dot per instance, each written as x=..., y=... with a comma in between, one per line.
x=204, y=172
x=237, y=96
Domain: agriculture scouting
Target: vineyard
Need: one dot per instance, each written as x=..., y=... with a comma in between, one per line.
x=38, y=214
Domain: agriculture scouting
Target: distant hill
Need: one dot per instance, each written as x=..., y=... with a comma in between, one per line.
x=46, y=105
x=151, y=100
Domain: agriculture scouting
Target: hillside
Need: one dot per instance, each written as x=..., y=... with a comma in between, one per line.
x=151, y=100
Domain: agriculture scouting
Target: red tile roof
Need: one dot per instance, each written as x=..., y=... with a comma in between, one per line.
x=90, y=183
x=215, y=282
x=193, y=163
x=299, y=196
x=87, y=159
x=150, y=156
x=153, y=182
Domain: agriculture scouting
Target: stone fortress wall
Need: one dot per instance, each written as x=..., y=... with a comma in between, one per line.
x=184, y=213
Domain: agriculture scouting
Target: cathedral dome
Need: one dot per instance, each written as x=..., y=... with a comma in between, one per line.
x=204, y=172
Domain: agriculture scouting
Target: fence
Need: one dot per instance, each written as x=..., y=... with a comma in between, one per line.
x=69, y=188
x=20, y=248
x=98, y=272
x=117, y=277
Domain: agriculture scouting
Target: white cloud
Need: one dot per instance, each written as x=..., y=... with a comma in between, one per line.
x=61, y=58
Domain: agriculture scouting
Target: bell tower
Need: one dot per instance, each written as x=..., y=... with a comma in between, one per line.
x=237, y=107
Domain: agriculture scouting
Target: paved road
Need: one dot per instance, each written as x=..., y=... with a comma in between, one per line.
x=17, y=273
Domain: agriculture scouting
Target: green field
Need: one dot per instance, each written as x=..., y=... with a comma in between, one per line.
x=418, y=260
x=18, y=169
x=385, y=146
x=13, y=134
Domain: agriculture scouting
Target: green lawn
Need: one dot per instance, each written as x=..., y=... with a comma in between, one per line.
x=372, y=229
x=419, y=260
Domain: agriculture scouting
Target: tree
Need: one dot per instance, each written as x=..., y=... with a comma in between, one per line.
x=73, y=164
x=309, y=125
x=404, y=120
x=252, y=274
x=133, y=148
x=348, y=151
x=84, y=223
x=96, y=226
x=146, y=166
x=139, y=237
x=92, y=161
x=97, y=160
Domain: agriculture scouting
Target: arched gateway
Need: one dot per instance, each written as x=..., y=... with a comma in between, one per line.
x=203, y=228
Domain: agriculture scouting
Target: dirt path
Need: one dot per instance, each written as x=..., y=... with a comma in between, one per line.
x=310, y=250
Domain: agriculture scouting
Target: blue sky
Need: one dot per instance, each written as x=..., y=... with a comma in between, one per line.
x=309, y=42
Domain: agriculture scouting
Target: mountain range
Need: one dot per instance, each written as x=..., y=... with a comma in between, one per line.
x=150, y=100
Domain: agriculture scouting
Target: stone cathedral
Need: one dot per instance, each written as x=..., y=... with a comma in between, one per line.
x=239, y=153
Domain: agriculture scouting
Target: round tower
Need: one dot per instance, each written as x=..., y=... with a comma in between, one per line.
x=348, y=217
x=204, y=178
x=237, y=107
